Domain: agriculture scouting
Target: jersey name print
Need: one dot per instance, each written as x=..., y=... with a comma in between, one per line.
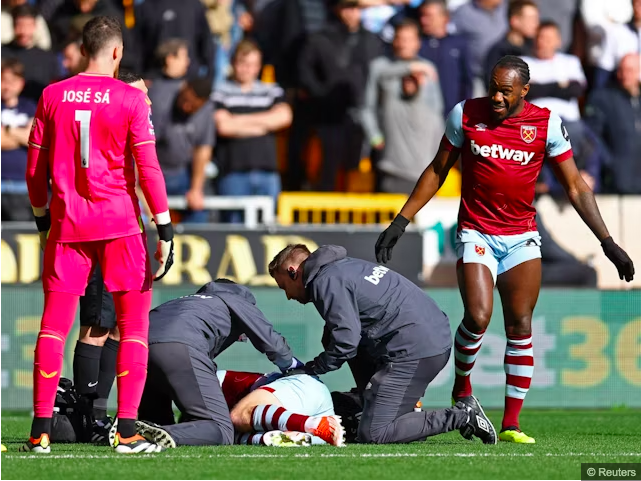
x=88, y=125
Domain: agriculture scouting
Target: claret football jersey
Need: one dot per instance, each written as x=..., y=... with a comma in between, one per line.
x=501, y=162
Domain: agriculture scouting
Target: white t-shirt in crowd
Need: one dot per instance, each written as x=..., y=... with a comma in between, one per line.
x=561, y=68
x=618, y=41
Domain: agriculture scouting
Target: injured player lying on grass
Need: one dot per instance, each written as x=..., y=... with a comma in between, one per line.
x=272, y=410
x=185, y=337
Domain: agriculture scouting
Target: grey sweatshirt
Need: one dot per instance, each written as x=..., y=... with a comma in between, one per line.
x=363, y=303
x=214, y=318
x=412, y=128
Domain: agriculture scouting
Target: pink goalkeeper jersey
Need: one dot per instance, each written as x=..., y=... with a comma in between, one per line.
x=89, y=125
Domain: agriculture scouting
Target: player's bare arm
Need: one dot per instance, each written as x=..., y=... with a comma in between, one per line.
x=430, y=181
x=582, y=199
x=428, y=184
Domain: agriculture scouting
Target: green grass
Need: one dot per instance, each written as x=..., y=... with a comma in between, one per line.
x=565, y=439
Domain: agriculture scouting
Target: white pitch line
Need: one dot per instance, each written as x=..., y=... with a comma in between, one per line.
x=336, y=455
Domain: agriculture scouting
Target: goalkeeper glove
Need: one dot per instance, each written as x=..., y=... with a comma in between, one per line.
x=165, y=249
x=43, y=223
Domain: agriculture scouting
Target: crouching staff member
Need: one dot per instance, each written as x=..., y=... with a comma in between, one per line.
x=185, y=335
x=400, y=327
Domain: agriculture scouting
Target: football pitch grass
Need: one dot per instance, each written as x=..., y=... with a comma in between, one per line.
x=565, y=439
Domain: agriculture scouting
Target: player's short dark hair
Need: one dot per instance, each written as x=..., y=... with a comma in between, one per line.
x=516, y=7
x=512, y=62
x=169, y=47
x=13, y=65
x=201, y=87
x=25, y=10
x=549, y=24
x=407, y=23
x=98, y=32
x=129, y=77
x=289, y=252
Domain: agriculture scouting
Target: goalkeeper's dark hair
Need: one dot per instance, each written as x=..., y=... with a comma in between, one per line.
x=129, y=77
x=98, y=34
x=291, y=252
x=512, y=62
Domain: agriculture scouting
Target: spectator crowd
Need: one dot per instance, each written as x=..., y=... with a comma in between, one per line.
x=245, y=93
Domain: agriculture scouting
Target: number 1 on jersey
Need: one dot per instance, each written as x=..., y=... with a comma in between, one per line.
x=84, y=117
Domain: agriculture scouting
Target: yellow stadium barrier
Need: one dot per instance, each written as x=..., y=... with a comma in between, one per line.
x=452, y=185
x=338, y=208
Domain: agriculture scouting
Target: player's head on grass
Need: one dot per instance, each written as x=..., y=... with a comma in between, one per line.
x=102, y=44
x=287, y=270
x=509, y=84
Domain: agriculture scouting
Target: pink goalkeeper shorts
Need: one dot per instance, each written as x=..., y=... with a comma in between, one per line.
x=124, y=262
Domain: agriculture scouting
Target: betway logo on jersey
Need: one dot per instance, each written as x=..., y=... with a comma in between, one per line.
x=499, y=152
x=377, y=275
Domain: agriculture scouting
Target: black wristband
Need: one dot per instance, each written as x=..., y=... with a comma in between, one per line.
x=43, y=223
x=165, y=232
x=401, y=221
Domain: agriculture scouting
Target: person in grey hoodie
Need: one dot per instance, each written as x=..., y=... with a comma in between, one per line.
x=403, y=111
x=400, y=328
x=185, y=335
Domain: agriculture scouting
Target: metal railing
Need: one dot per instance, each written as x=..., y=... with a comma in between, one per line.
x=250, y=204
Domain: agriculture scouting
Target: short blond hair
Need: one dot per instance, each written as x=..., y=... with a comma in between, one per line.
x=292, y=251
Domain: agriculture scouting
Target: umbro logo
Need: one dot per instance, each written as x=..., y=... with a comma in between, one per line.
x=482, y=424
x=480, y=127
